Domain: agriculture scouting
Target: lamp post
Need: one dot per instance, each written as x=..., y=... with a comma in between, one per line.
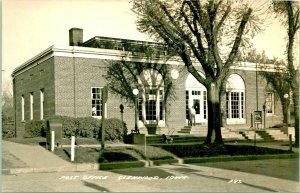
x=136, y=92
x=264, y=109
x=121, y=111
x=286, y=96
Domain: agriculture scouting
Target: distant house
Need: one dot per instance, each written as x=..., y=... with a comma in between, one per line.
x=69, y=80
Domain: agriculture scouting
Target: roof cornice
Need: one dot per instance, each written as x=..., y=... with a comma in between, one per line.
x=109, y=54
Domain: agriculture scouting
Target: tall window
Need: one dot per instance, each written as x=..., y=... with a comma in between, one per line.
x=235, y=105
x=235, y=99
x=187, y=114
x=204, y=105
x=270, y=103
x=151, y=104
x=31, y=106
x=153, y=107
x=22, y=108
x=42, y=103
x=96, y=95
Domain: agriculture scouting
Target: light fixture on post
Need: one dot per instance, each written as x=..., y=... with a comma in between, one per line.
x=135, y=93
x=174, y=74
x=286, y=96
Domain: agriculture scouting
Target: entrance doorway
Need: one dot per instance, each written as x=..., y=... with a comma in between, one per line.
x=196, y=96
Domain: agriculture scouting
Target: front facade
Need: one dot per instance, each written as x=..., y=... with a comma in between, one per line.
x=69, y=80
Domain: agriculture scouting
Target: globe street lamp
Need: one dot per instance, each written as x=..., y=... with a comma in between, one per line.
x=135, y=93
x=174, y=74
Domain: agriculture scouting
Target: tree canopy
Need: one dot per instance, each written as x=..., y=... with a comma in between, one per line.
x=205, y=33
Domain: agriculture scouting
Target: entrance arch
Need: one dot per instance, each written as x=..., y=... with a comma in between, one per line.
x=196, y=95
x=235, y=99
x=151, y=99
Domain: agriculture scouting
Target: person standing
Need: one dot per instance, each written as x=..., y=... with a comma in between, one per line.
x=192, y=116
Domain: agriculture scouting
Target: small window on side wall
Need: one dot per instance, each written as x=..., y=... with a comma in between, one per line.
x=270, y=103
x=96, y=95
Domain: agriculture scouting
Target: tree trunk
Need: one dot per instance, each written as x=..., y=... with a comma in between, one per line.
x=285, y=103
x=295, y=90
x=214, y=114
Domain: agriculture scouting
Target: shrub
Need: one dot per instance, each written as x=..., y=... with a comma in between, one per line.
x=88, y=127
x=80, y=127
x=115, y=129
x=8, y=130
x=68, y=125
x=35, y=128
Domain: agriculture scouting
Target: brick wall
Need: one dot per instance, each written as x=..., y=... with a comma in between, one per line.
x=176, y=114
x=88, y=73
x=249, y=78
x=67, y=84
x=32, y=81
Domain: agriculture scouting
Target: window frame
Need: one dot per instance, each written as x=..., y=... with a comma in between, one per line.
x=100, y=102
x=272, y=103
x=150, y=95
x=31, y=105
x=42, y=100
x=22, y=108
x=241, y=107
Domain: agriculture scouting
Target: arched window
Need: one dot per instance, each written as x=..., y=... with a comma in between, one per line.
x=151, y=105
x=235, y=99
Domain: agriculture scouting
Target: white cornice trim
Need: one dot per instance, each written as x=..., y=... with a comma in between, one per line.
x=85, y=52
x=107, y=54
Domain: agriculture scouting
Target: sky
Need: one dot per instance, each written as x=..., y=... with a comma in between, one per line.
x=31, y=26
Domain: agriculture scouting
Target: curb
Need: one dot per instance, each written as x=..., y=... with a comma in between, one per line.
x=74, y=168
x=239, y=158
x=143, y=163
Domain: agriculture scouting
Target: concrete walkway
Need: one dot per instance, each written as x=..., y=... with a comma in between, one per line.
x=31, y=158
x=196, y=179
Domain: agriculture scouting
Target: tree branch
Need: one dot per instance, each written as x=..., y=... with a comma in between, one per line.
x=237, y=41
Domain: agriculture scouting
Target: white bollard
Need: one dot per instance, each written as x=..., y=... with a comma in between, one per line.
x=72, y=148
x=52, y=140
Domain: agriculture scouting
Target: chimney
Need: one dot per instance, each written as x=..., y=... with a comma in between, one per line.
x=75, y=36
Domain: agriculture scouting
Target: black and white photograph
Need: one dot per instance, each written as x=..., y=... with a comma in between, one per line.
x=150, y=96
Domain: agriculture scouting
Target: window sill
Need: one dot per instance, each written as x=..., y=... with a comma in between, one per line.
x=270, y=115
x=97, y=117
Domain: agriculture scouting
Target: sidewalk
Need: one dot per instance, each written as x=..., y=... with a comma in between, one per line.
x=20, y=158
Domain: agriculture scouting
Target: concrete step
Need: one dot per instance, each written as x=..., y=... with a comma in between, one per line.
x=277, y=135
x=265, y=136
x=250, y=135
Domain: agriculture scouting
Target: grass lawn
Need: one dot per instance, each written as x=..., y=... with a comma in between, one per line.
x=201, y=150
x=113, y=154
x=138, y=152
x=42, y=141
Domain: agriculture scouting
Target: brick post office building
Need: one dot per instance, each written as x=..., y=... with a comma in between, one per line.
x=68, y=81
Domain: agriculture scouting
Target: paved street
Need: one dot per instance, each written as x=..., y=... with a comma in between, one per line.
x=170, y=178
x=235, y=176
x=278, y=168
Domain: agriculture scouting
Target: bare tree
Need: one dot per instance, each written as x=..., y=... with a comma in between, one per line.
x=276, y=74
x=125, y=75
x=208, y=33
x=288, y=12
